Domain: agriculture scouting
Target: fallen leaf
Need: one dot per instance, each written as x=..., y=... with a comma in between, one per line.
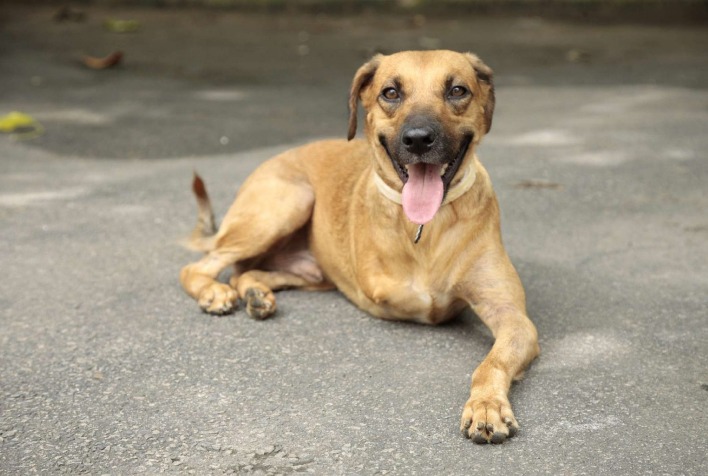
x=531, y=183
x=577, y=56
x=105, y=62
x=67, y=13
x=121, y=26
x=22, y=125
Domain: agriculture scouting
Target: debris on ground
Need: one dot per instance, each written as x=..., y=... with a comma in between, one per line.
x=109, y=61
x=576, y=55
x=22, y=125
x=121, y=26
x=69, y=14
x=534, y=183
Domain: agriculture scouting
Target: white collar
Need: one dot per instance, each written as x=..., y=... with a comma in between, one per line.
x=453, y=193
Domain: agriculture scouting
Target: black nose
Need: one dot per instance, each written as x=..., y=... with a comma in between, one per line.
x=418, y=140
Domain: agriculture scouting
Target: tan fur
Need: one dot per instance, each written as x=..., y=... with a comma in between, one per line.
x=313, y=218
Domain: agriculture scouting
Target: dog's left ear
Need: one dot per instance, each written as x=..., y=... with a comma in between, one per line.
x=362, y=78
x=485, y=77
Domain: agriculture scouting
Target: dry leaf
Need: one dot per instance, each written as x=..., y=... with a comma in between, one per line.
x=531, y=183
x=103, y=63
x=22, y=125
x=121, y=26
x=66, y=13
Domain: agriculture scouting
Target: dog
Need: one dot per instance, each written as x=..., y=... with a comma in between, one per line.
x=405, y=223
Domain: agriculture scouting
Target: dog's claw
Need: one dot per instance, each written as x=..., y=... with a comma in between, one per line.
x=512, y=426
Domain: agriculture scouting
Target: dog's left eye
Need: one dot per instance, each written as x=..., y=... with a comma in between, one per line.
x=458, y=92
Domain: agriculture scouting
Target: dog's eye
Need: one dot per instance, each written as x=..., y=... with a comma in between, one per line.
x=390, y=94
x=458, y=92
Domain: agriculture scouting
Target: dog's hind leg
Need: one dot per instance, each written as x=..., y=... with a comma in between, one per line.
x=256, y=289
x=289, y=266
x=273, y=203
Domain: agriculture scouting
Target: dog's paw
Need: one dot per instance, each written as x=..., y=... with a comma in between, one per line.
x=488, y=420
x=218, y=299
x=259, y=303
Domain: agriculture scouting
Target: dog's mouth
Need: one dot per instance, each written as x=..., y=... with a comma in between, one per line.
x=425, y=184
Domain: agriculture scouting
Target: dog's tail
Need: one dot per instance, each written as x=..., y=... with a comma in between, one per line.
x=202, y=237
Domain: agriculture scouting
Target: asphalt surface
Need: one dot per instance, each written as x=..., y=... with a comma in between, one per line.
x=598, y=155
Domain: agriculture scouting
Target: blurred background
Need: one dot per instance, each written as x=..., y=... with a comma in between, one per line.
x=288, y=64
x=598, y=158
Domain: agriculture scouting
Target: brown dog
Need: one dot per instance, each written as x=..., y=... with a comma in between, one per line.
x=349, y=214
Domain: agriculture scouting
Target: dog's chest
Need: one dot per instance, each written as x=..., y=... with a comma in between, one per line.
x=410, y=296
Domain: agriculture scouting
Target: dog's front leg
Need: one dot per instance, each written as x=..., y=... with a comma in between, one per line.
x=497, y=297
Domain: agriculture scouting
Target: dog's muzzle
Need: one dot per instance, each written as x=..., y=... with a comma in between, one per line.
x=426, y=163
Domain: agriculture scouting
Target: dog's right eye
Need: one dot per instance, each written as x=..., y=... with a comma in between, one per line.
x=390, y=94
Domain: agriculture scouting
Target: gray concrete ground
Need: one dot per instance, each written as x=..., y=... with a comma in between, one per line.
x=598, y=154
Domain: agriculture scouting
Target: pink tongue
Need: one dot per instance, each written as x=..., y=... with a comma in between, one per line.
x=422, y=193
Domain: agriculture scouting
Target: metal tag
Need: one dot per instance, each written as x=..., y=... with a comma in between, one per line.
x=418, y=233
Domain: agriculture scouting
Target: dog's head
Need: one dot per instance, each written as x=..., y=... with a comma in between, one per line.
x=425, y=112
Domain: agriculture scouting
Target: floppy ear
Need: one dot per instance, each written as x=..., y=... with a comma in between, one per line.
x=362, y=78
x=485, y=77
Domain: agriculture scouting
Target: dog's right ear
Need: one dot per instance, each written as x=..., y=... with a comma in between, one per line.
x=362, y=78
